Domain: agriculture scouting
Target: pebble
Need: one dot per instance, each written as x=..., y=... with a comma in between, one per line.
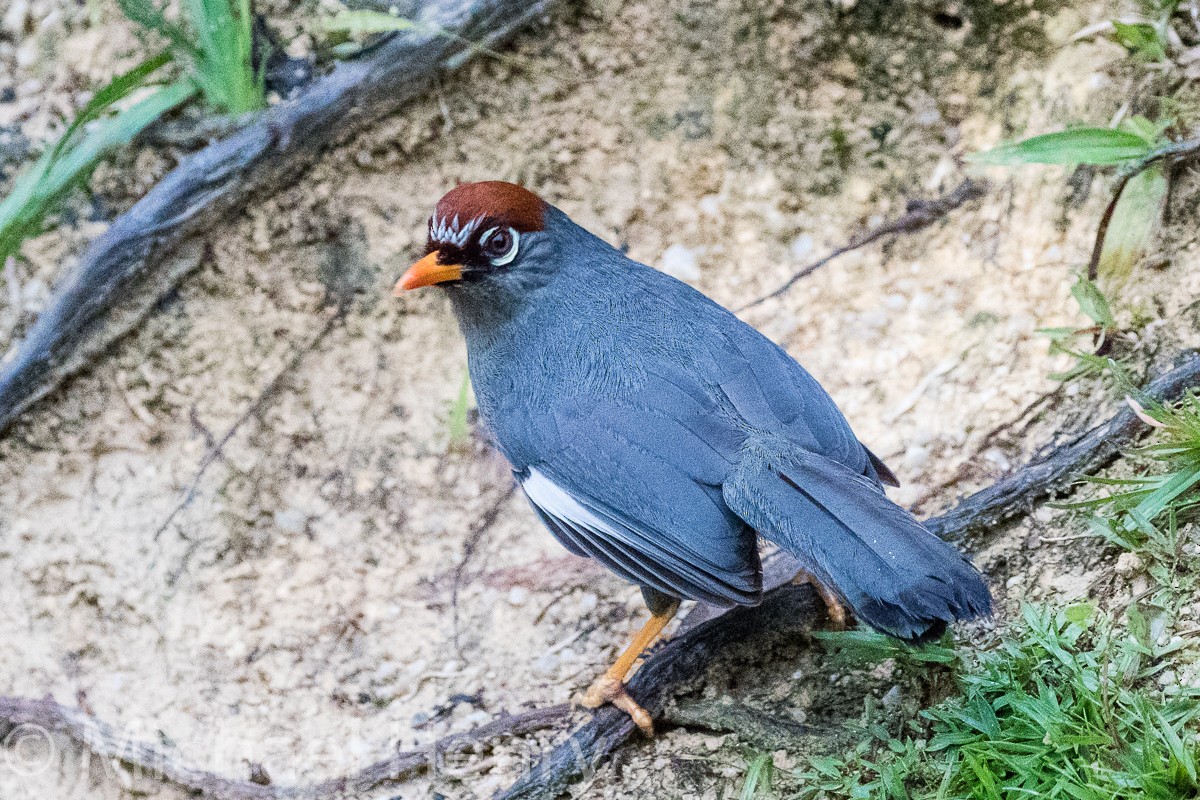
x=386, y=671
x=679, y=261
x=291, y=520
x=802, y=247
x=710, y=206
x=891, y=698
x=1128, y=564
x=16, y=18
x=588, y=602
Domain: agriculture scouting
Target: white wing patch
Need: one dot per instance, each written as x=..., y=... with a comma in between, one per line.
x=626, y=551
x=555, y=501
x=447, y=231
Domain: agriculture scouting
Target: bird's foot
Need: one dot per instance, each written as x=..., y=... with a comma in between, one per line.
x=838, y=618
x=608, y=689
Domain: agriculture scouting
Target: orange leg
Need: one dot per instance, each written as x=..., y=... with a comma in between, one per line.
x=833, y=605
x=610, y=687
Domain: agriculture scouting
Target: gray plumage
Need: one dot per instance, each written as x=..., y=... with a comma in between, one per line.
x=655, y=432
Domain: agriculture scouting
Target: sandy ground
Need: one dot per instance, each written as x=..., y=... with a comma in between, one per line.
x=323, y=591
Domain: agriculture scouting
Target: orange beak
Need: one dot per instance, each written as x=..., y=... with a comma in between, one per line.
x=427, y=272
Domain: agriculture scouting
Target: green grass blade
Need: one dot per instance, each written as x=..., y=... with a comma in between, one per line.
x=758, y=777
x=1096, y=146
x=1093, y=303
x=36, y=191
x=1140, y=38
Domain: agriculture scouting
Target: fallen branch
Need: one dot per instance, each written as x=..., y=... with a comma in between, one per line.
x=23, y=717
x=150, y=248
x=920, y=214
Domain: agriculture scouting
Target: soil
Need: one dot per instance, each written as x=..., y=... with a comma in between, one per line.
x=322, y=592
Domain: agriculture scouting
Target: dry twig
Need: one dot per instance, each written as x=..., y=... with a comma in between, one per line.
x=255, y=408
x=920, y=214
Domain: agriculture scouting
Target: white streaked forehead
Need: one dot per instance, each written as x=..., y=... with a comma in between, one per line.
x=451, y=231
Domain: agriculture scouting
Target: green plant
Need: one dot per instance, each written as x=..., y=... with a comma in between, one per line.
x=759, y=774
x=97, y=129
x=856, y=647
x=1143, y=513
x=215, y=43
x=1138, y=148
x=1065, y=706
x=1095, y=306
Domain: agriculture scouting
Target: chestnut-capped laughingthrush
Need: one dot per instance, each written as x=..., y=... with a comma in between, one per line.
x=654, y=431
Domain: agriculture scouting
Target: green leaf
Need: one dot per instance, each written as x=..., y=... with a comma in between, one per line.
x=82, y=145
x=1147, y=129
x=1098, y=146
x=215, y=43
x=1134, y=222
x=1140, y=38
x=758, y=777
x=1093, y=303
x=360, y=22
x=1079, y=613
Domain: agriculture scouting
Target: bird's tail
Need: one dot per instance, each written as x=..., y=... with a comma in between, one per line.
x=895, y=575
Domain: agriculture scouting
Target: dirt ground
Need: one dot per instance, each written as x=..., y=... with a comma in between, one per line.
x=323, y=592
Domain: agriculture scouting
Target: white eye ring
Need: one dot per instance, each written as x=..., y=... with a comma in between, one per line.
x=507, y=257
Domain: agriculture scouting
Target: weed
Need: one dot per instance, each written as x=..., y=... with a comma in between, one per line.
x=1064, y=706
x=759, y=773
x=215, y=42
x=1095, y=306
x=96, y=130
x=1143, y=513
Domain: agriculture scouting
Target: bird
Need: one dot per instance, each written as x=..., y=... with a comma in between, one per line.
x=654, y=431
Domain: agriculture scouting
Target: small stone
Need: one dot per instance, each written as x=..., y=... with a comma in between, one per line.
x=291, y=520
x=16, y=18
x=802, y=247
x=1129, y=564
x=891, y=698
x=588, y=602
x=679, y=261
x=386, y=671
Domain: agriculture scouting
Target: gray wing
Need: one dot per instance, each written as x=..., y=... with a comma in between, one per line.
x=637, y=489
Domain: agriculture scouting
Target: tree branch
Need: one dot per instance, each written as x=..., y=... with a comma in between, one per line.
x=23, y=717
x=151, y=247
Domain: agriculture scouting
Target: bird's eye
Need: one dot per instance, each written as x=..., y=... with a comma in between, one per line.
x=499, y=245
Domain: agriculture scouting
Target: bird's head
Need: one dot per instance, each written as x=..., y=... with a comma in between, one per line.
x=486, y=234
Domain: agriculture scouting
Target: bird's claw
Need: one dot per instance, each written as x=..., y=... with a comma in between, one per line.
x=608, y=689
